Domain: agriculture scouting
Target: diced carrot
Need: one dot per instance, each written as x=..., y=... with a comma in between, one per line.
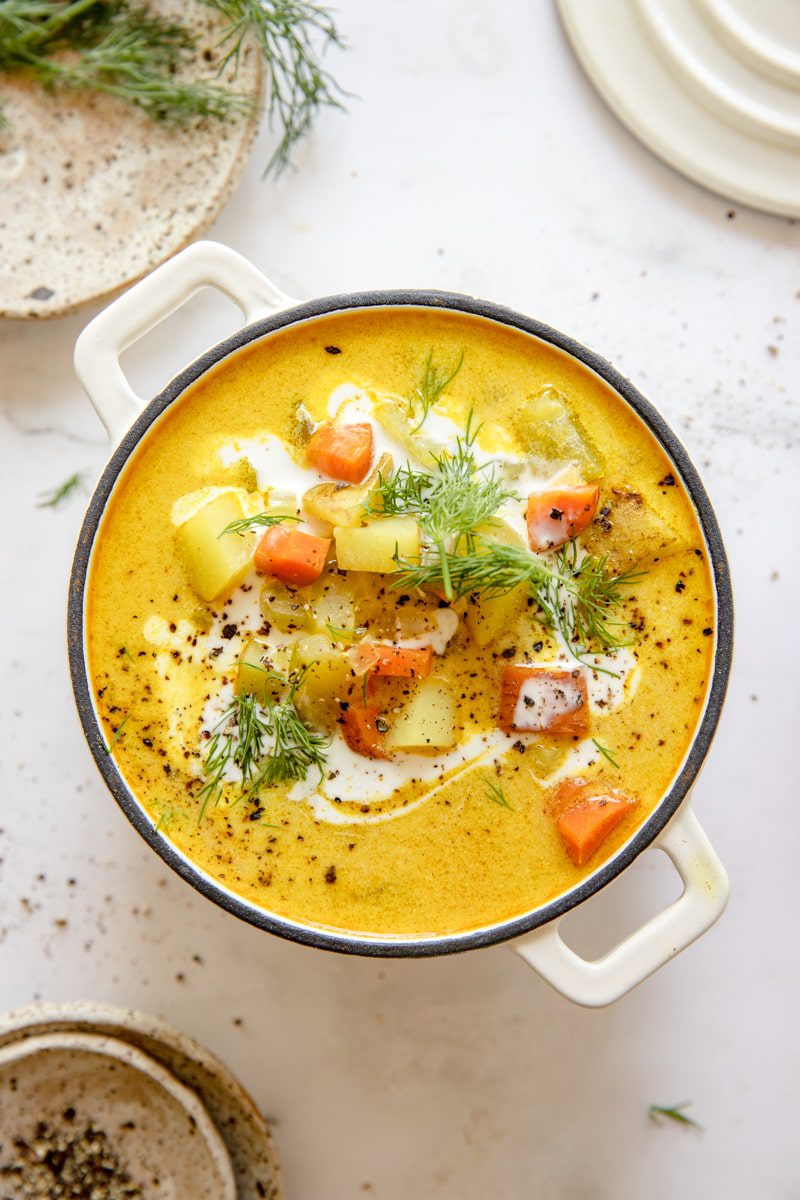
x=536, y=700
x=586, y=825
x=394, y=660
x=341, y=451
x=360, y=731
x=291, y=555
x=557, y=515
x=575, y=789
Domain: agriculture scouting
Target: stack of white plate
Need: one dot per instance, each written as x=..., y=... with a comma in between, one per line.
x=711, y=86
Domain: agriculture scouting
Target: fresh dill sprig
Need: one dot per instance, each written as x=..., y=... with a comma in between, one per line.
x=576, y=597
x=261, y=519
x=111, y=46
x=166, y=819
x=122, y=48
x=268, y=743
x=451, y=502
x=119, y=734
x=296, y=747
x=292, y=35
x=218, y=756
x=606, y=753
x=433, y=380
x=493, y=791
x=339, y=633
x=659, y=1113
x=57, y=496
x=244, y=749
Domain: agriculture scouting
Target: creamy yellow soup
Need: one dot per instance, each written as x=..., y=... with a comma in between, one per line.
x=430, y=840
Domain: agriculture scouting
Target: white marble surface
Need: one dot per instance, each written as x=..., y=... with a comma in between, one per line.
x=475, y=158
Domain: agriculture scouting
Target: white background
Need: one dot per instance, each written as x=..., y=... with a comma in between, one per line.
x=475, y=158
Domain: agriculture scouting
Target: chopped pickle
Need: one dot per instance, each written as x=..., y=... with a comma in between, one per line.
x=628, y=530
x=281, y=504
x=333, y=608
x=427, y=721
x=328, y=678
x=201, y=619
x=545, y=757
x=486, y=619
x=344, y=504
x=254, y=674
x=553, y=437
x=391, y=415
x=216, y=562
x=284, y=607
x=373, y=547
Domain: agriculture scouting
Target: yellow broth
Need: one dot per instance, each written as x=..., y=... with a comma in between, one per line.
x=459, y=860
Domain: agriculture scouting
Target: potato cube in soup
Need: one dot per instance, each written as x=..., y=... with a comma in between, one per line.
x=373, y=547
x=427, y=722
x=487, y=618
x=215, y=562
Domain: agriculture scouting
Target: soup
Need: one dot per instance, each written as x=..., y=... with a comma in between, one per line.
x=400, y=622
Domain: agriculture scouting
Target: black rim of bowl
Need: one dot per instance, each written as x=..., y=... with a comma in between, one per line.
x=432, y=944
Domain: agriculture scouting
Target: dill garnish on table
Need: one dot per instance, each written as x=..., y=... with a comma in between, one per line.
x=676, y=1113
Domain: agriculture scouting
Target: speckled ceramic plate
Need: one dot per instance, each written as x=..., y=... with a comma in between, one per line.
x=243, y=1129
x=91, y=1105
x=94, y=194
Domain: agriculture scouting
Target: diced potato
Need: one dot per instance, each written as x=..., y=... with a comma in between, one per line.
x=393, y=419
x=486, y=619
x=553, y=437
x=629, y=531
x=253, y=674
x=215, y=564
x=286, y=608
x=344, y=504
x=373, y=547
x=428, y=720
x=328, y=678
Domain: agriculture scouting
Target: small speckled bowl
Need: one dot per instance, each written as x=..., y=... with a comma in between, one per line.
x=156, y=1128
x=230, y=1111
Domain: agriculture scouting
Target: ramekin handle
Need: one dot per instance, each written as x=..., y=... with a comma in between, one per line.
x=702, y=901
x=158, y=295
